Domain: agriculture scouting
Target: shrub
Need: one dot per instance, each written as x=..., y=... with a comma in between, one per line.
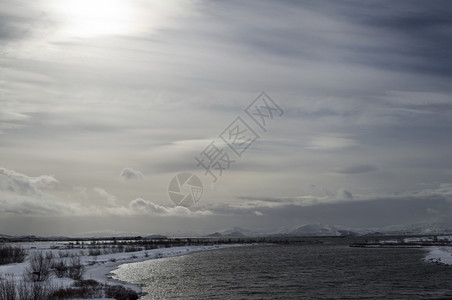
x=10, y=255
x=86, y=282
x=94, y=252
x=70, y=292
x=49, y=255
x=11, y=289
x=132, y=249
x=39, y=267
x=120, y=292
x=60, y=269
x=76, y=268
x=35, y=291
x=7, y=288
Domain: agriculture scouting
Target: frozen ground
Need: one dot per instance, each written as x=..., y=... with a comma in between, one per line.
x=99, y=267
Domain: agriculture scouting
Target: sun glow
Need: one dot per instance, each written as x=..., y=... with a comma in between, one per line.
x=91, y=18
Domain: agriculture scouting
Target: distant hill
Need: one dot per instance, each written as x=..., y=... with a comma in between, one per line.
x=303, y=230
x=416, y=228
x=227, y=234
x=32, y=238
x=315, y=229
x=321, y=230
x=318, y=229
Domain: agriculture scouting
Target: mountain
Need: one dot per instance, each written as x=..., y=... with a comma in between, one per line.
x=317, y=229
x=321, y=230
x=215, y=234
x=416, y=228
x=234, y=232
x=303, y=230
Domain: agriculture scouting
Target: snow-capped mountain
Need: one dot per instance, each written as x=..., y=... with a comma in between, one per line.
x=321, y=230
x=318, y=229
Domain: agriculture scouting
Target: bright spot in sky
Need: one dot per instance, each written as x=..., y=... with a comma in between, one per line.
x=91, y=18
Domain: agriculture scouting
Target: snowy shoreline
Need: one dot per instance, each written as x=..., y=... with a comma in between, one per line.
x=439, y=255
x=102, y=271
x=100, y=267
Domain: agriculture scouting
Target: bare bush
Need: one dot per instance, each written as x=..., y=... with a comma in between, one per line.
x=62, y=254
x=10, y=255
x=39, y=267
x=49, y=255
x=35, y=290
x=7, y=288
x=132, y=249
x=76, y=268
x=120, y=292
x=81, y=289
x=10, y=289
x=94, y=252
x=60, y=268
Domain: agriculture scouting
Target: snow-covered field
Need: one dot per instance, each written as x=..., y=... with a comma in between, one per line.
x=99, y=267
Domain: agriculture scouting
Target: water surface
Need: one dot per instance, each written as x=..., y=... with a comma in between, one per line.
x=321, y=271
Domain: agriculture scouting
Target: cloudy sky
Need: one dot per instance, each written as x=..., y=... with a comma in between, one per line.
x=103, y=102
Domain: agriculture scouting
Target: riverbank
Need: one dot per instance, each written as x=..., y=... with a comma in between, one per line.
x=105, y=264
x=97, y=267
x=439, y=255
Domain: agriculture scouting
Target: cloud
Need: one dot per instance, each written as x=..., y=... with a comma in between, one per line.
x=131, y=174
x=22, y=194
x=344, y=208
x=26, y=205
x=357, y=169
x=14, y=182
x=330, y=142
x=344, y=194
x=444, y=190
x=142, y=206
x=148, y=207
x=365, y=87
x=111, y=199
x=10, y=119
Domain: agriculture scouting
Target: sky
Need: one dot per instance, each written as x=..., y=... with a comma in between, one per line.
x=104, y=102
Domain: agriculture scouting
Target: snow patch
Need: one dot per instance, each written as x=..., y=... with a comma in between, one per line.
x=440, y=255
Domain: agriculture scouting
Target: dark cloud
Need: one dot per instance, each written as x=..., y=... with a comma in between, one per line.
x=414, y=35
x=359, y=214
x=407, y=36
